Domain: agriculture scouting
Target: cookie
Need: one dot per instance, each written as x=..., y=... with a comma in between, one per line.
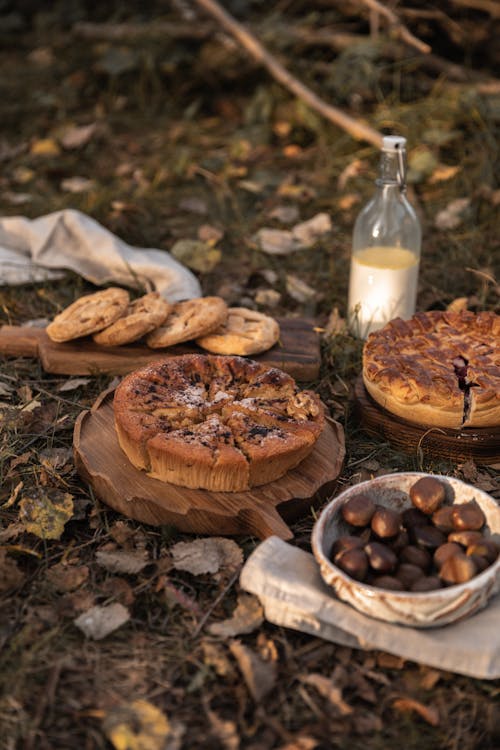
x=142, y=316
x=188, y=320
x=89, y=314
x=244, y=332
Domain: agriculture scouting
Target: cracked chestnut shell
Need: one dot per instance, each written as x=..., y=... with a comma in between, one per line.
x=427, y=494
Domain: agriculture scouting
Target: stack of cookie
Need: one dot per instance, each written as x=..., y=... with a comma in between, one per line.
x=112, y=319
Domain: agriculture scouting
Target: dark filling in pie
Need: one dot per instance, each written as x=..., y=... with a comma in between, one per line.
x=460, y=366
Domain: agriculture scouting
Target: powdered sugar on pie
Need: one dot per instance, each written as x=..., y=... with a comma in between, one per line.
x=248, y=429
x=437, y=369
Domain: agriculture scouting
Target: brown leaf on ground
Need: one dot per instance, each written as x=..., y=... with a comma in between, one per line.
x=46, y=513
x=390, y=661
x=428, y=713
x=137, y=725
x=247, y=617
x=214, y=656
x=330, y=691
x=300, y=743
x=216, y=555
x=430, y=678
x=225, y=730
x=13, y=496
x=122, y=561
x=11, y=577
x=67, y=577
x=259, y=675
x=98, y=622
x=118, y=589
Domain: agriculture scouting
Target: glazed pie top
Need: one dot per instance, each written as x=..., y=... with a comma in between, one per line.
x=215, y=422
x=437, y=369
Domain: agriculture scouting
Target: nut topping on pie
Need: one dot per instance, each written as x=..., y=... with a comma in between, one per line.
x=437, y=369
x=215, y=422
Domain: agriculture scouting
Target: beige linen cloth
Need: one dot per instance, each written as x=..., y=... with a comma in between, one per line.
x=290, y=588
x=37, y=249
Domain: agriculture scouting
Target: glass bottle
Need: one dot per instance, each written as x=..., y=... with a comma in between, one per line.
x=385, y=249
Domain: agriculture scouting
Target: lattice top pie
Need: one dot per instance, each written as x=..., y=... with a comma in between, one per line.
x=437, y=369
x=215, y=422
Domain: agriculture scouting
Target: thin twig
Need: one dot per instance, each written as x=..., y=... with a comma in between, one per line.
x=355, y=128
x=215, y=603
x=402, y=31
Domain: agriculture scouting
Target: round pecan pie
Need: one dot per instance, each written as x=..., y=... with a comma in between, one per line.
x=215, y=422
x=437, y=369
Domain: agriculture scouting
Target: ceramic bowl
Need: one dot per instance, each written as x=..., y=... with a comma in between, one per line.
x=422, y=610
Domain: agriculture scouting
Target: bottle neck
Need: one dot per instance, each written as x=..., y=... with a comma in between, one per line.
x=392, y=170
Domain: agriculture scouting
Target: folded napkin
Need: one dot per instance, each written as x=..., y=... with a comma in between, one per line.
x=37, y=249
x=289, y=585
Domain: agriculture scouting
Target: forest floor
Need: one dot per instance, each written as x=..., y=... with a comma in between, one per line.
x=170, y=138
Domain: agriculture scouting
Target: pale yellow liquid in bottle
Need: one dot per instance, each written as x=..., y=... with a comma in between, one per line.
x=382, y=286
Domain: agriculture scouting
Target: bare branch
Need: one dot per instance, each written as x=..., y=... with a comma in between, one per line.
x=402, y=31
x=355, y=128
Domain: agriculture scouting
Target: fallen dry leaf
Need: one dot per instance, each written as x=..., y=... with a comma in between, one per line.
x=13, y=496
x=73, y=383
x=209, y=234
x=451, y=217
x=225, y=730
x=122, y=561
x=300, y=743
x=430, y=714
x=98, y=622
x=458, y=304
x=430, y=678
x=389, y=661
x=67, y=577
x=216, y=555
x=214, y=656
x=354, y=169
x=45, y=147
x=118, y=589
x=45, y=514
x=55, y=459
x=267, y=297
x=299, y=290
x=259, y=675
x=137, y=725
x=310, y=231
x=197, y=255
x=246, y=618
x=77, y=184
x=285, y=214
x=330, y=691
x=11, y=577
x=276, y=241
x=77, y=136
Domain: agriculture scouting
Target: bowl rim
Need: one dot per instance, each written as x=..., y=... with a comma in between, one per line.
x=319, y=554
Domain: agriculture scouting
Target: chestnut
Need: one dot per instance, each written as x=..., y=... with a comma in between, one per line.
x=486, y=548
x=480, y=562
x=416, y=556
x=385, y=522
x=442, y=518
x=344, y=543
x=468, y=517
x=427, y=536
x=388, y=582
x=426, y=583
x=444, y=551
x=358, y=510
x=457, y=569
x=413, y=517
x=381, y=557
x=465, y=538
x=427, y=494
x=354, y=562
x=408, y=574
x=400, y=541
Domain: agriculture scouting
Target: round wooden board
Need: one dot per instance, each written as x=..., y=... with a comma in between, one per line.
x=481, y=444
x=260, y=511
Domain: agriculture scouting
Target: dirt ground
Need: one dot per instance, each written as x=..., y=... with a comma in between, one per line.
x=172, y=138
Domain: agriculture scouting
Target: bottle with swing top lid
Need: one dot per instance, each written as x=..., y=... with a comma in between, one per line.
x=385, y=249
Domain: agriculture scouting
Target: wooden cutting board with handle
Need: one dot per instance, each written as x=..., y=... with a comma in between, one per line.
x=262, y=511
x=297, y=351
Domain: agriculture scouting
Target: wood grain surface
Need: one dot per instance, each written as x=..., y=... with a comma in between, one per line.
x=262, y=511
x=297, y=351
x=482, y=444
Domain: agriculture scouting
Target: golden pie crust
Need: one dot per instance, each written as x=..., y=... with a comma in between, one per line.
x=437, y=369
x=221, y=423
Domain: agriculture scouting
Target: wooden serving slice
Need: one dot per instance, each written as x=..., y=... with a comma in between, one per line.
x=482, y=444
x=297, y=352
x=260, y=511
